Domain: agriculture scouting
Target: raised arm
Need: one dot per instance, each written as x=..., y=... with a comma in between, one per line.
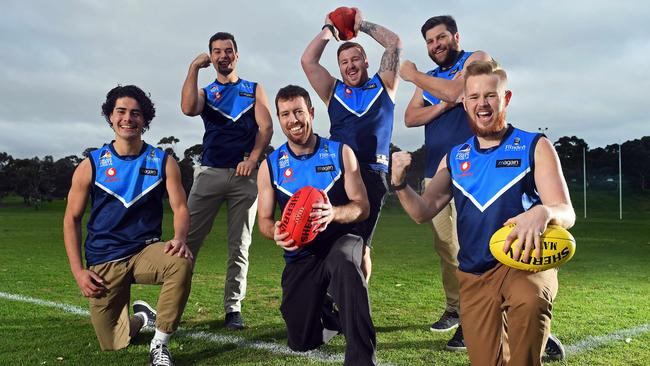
x=443, y=89
x=264, y=132
x=90, y=284
x=319, y=78
x=417, y=114
x=436, y=196
x=556, y=207
x=177, y=201
x=193, y=98
x=392, y=44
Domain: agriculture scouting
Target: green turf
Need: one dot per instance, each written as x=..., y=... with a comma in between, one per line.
x=605, y=288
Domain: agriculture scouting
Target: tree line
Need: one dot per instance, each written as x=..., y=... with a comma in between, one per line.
x=44, y=179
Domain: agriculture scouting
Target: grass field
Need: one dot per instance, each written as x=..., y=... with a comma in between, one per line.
x=602, y=312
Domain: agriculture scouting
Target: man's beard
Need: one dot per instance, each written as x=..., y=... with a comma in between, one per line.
x=452, y=56
x=493, y=129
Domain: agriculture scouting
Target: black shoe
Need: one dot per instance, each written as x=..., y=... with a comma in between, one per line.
x=160, y=356
x=457, y=343
x=234, y=321
x=147, y=312
x=448, y=321
x=554, y=350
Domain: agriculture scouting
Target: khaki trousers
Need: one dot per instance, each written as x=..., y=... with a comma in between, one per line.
x=211, y=188
x=110, y=314
x=506, y=315
x=445, y=243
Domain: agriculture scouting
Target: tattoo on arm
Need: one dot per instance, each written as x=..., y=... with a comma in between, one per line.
x=390, y=60
x=368, y=27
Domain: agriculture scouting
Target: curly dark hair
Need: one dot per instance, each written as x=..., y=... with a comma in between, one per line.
x=131, y=91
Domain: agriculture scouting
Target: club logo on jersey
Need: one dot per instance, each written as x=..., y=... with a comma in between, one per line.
x=106, y=154
x=517, y=140
x=348, y=91
x=283, y=161
x=464, y=166
x=463, y=152
x=105, y=159
x=151, y=157
x=325, y=168
x=110, y=172
x=288, y=173
x=148, y=171
x=245, y=94
x=509, y=163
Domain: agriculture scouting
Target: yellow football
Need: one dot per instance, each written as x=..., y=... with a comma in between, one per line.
x=558, y=247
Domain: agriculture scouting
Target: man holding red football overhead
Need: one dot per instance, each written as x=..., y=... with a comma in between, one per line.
x=360, y=107
x=502, y=175
x=332, y=259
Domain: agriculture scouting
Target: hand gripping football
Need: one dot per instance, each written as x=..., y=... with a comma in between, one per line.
x=295, y=216
x=343, y=19
x=558, y=247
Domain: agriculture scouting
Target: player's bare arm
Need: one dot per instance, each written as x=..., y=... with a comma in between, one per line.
x=354, y=211
x=319, y=78
x=436, y=196
x=90, y=284
x=556, y=207
x=417, y=114
x=177, y=201
x=193, y=98
x=269, y=228
x=392, y=44
x=264, y=133
x=447, y=90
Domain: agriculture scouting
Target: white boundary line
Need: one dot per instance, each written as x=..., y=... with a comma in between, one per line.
x=585, y=345
x=206, y=336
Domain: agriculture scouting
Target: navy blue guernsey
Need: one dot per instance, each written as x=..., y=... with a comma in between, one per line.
x=450, y=128
x=323, y=169
x=229, y=120
x=489, y=187
x=362, y=118
x=126, y=203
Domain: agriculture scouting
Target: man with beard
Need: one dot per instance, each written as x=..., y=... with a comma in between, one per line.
x=505, y=312
x=332, y=259
x=360, y=107
x=434, y=106
x=238, y=129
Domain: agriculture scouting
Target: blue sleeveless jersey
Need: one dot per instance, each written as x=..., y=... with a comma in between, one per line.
x=362, y=118
x=450, y=128
x=323, y=169
x=489, y=187
x=126, y=203
x=229, y=120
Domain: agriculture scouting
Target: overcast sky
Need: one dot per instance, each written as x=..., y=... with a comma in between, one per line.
x=575, y=67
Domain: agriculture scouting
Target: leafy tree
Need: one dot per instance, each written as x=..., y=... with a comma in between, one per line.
x=193, y=154
x=635, y=161
x=6, y=174
x=86, y=153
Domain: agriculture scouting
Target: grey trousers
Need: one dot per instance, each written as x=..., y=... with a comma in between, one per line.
x=212, y=187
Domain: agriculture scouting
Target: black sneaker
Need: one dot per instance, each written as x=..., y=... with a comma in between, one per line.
x=457, y=343
x=234, y=321
x=448, y=321
x=147, y=312
x=160, y=356
x=554, y=350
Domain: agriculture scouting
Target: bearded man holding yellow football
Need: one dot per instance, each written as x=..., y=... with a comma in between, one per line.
x=500, y=176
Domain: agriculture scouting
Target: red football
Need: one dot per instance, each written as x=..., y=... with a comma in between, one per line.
x=343, y=19
x=295, y=216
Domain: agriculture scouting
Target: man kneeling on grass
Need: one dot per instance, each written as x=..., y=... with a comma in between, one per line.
x=127, y=179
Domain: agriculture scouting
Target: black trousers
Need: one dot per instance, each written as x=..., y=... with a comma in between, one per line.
x=304, y=285
x=377, y=189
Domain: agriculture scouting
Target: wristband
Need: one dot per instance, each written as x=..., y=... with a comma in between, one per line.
x=400, y=186
x=330, y=27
